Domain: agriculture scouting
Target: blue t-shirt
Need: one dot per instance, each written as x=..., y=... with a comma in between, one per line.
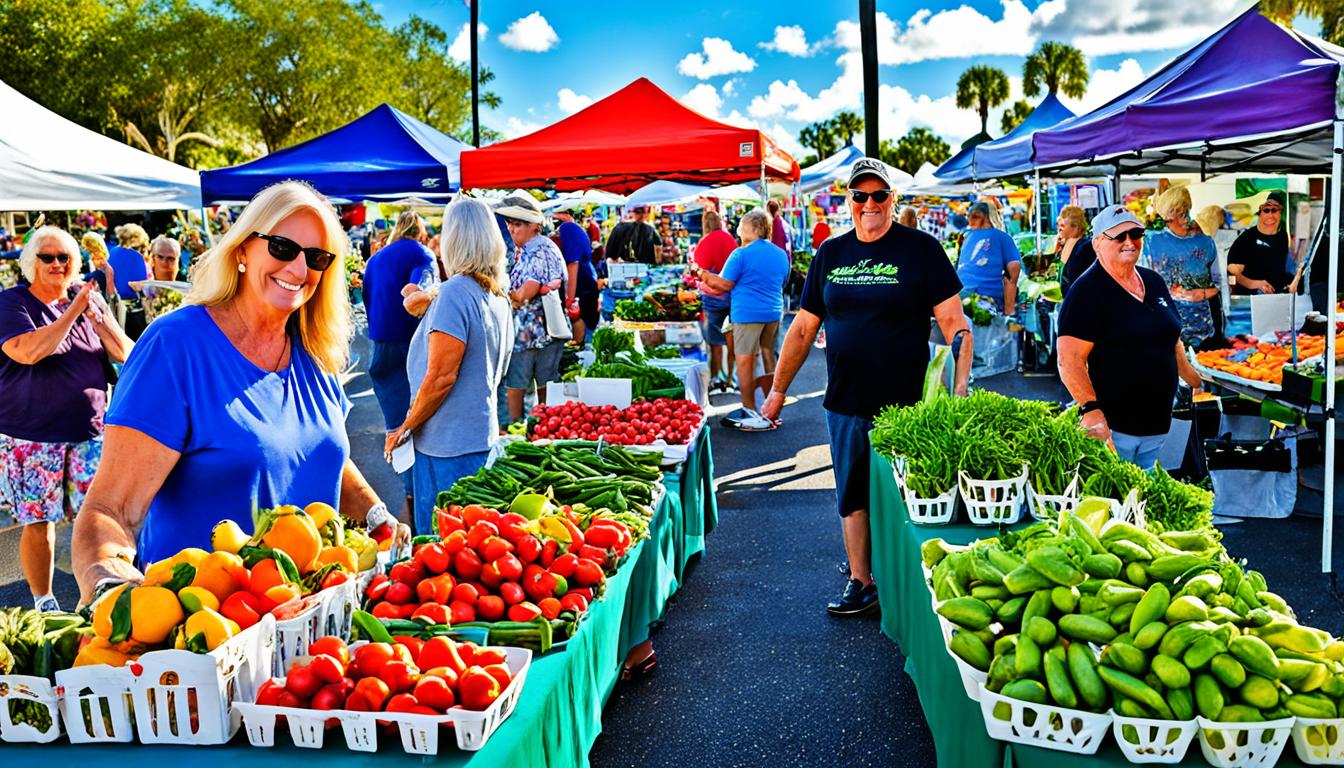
x=129, y=266
x=390, y=270
x=1186, y=262
x=250, y=439
x=985, y=256
x=758, y=270
x=577, y=247
x=467, y=421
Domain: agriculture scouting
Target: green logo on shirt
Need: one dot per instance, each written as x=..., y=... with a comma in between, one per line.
x=865, y=273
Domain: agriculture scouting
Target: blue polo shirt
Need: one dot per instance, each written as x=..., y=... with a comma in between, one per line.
x=390, y=270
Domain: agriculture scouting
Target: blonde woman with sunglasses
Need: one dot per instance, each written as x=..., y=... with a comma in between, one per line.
x=232, y=403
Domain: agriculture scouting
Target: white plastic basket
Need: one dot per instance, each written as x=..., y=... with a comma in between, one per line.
x=185, y=698
x=96, y=703
x=33, y=693
x=1155, y=741
x=1049, y=507
x=971, y=678
x=419, y=733
x=936, y=511
x=993, y=502
x=1043, y=725
x=294, y=635
x=1226, y=745
x=1330, y=732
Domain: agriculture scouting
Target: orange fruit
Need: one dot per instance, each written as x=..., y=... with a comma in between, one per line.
x=102, y=612
x=283, y=593
x=154, y=613
x=344, y=556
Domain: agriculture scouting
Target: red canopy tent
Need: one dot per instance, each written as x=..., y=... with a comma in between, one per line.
x=636, y=135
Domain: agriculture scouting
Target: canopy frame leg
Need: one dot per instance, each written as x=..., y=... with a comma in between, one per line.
x=1332, y=290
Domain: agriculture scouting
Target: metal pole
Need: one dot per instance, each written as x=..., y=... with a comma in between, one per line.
x=765, y=191
x=1332, y=290
x=1037, y=200
x=205, y=225
x=868, y=43
x=475, y=76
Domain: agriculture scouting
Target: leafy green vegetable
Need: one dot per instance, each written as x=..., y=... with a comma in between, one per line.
x=607, y=342
x=1176, y=506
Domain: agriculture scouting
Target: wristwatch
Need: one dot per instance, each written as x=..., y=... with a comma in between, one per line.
x=1088, y=407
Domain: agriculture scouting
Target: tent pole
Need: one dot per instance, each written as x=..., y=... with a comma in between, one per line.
x=1332, y=290
x=765, y=191
x=205, y=226
x=1037, y=200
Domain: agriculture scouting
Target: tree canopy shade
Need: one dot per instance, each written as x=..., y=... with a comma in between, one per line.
x=636, y=135
x=385, y=154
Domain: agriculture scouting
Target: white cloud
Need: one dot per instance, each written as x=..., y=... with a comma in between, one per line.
x=717, y=58
x=730, y=87
x=513, y=128
x=460, y=50
x=532, y=33
x=571, y=102
x=791, y=102
x=1106, y=84
x=703, y=98
x=1102, y=27
x=789, y=39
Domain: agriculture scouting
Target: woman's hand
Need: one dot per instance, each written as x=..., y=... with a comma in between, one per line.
x=1094, y=424
x=81, y=300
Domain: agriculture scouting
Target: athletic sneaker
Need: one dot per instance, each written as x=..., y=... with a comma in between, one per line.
x=856, y=599
x=745, y=420
x=46, y=604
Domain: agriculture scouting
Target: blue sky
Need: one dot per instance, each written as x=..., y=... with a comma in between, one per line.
x=781, y=65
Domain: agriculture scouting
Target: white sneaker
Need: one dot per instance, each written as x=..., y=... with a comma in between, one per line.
x=751, y=421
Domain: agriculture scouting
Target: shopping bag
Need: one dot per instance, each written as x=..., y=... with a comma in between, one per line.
x=1253, y=474
x=557, y=323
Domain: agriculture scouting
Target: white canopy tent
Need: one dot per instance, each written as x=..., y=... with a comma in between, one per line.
x=50, y=163
x=925, y=183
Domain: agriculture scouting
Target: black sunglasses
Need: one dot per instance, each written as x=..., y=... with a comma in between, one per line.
x=47, y=258
x=283, y=249
x=879, y=196
x=1271, y=209
x=1135, y=234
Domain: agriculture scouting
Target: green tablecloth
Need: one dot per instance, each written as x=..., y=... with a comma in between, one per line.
x=954, y=719
x=693, y=482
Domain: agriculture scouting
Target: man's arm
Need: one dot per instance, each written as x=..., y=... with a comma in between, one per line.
x=1073, y=353
x=797, y=343
x=952, y=320
x=1185, y=370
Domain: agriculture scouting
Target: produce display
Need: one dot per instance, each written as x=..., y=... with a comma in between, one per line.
x=990, y=437
x=1251, y=358
x=658, y=306
x=615, y=357
x=568, y=473
x=673, y=421
x=1096, y=614
x=37, y=644
x=160, y=301
x=664, y=352
x=525, y=576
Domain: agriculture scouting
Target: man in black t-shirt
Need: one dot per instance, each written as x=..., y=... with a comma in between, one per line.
x=1120, y=349
x=1258, y=256
x=634, y=240
x=875, y=287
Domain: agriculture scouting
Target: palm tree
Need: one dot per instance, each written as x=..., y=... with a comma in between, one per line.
x=818, y=137
x=1059, y=67
x=845, y=126
x=1330, y=12
x=915, y=148
x=1015, y=114
x=981, y=87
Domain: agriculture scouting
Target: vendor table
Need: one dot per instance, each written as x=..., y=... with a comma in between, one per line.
x=959, y=736
x=558, y=716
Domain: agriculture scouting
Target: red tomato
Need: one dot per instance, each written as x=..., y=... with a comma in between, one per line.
x=595, y=554
x=512, y=593
x=467, y=564
x=377, y=587
x=269, y=693
x=455, y=542
x=385, y=611
x=494, y=548
x=490, y=575
x=326, y=668
x=433, y=557
x=448, y=675
x=602, y=536
x=435, y=612
x=434, y=692
x=484, y=657
x=460, y=612
x=334, y=579
x=473, y=514
x=465, y=593
x=478, y=689
x=330, y=697
x=448, y=522
x=399, y=675
x=510, y=568
x=564, y=565
x=409, y=573
x=573, y=602
x=373, y=691
x=528, y=548
x=501, y=673
x=288, y=699
x=479, y=533
x=441, y=652
x=303, y=682
x=588, y=573
x=490, y=607
x=370, y=658
x=549, y=607
x=412, y=644
x=548, y=552
x=400, y=593
x=523, y=612
x=331, y=646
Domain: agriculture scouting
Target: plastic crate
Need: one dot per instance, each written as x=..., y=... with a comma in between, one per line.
x=295, y=634
x=938, y=510
x=1330, y=734
x=96, y=703
x=32, y=693
x=1050, y=507
x=993, y=502
x=419, y=733
x=1143, y=740
x=1241, y=745
x=1043, y=725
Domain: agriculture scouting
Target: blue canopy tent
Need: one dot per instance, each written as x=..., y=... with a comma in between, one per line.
x=386, y=154
x=1008, y=155
x=829, y=170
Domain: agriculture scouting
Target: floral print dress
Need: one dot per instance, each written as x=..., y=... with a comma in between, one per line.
x=1189, y=262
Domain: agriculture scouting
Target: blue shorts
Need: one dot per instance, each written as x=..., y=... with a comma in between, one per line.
x=387, y=371
x=849, y=459
x=434, y=474
x=1138, y=449
x=539, y=365
x=713, y=325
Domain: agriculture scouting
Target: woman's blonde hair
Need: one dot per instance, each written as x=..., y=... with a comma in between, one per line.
x=470, y=244
x=756, y=219
x=1173, y=203
x=1210, y=219
x=710, y=221
x=409, y=226
x=324, y=319
x=132, y=236
x=39, y=237
x=94, y=243
x=1075, y=215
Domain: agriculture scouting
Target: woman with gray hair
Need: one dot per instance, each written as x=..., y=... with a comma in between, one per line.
x=457, y=358
x=538, y=268
x=1187, y=259
x=754, y=278
x=55, y=344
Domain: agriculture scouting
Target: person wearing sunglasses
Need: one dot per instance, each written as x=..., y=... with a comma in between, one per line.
x=233, y=403
x=876, y=288
x=1258, y=256
x=990, y=263
x=1120, y=350
x=56, y=344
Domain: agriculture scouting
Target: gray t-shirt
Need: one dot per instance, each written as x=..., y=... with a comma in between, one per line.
x=467, y=420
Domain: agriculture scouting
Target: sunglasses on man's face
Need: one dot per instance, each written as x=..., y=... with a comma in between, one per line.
x=48, y=258
x=879, y=196
x=1135, y=234
x=1270, y=210
x=282, y=248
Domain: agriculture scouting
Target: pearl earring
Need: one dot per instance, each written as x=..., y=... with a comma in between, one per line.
x=242, y=267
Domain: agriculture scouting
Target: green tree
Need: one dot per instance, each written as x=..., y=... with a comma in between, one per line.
x=845, y=126
x=819, y=137
x=1058, y=67
x=1015, y=114
x=915, y=148
x=981, y=87
x=432, y=83
x=1329, y=12
x=58, y=53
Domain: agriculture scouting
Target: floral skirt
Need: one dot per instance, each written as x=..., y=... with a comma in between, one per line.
x=1196, y=321
x=43, y=482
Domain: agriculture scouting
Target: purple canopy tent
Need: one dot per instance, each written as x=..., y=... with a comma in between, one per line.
x=1252, y=97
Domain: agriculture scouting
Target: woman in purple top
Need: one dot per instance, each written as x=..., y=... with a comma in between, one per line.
x=55, y=343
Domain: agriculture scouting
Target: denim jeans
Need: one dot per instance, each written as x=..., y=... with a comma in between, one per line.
x=1138, y=449
x=433, y=474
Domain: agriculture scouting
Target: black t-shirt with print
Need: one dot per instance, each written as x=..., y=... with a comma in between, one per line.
x=876, y=300
x=1133, y=362
x=1263, y=258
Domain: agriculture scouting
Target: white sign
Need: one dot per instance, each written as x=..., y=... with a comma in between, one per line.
x=746, y=149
